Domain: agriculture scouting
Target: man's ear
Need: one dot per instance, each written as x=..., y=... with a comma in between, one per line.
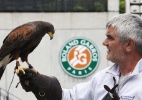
x=129, y=45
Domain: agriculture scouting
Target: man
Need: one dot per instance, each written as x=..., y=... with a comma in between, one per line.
x=124, y=44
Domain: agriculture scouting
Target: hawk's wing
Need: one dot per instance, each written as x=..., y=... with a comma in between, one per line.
x=16, y=39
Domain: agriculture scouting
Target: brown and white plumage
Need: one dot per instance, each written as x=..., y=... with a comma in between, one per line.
x=21, y=41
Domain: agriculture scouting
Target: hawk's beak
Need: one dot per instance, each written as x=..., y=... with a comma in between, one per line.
x=51, y=35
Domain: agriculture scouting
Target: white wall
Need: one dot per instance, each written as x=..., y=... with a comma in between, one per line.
x=45, y=58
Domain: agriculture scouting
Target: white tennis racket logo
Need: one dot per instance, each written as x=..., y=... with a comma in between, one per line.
x=79, y=56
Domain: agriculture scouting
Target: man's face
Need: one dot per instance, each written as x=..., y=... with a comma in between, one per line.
x=116, y=52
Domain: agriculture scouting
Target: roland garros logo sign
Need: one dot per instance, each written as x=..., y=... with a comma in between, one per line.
x=79, y=57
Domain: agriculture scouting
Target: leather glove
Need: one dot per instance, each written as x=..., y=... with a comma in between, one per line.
x=42, y=86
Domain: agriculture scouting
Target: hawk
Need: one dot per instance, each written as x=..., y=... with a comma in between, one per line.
x=21, y=41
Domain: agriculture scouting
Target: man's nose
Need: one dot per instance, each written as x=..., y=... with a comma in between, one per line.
x=105, y=42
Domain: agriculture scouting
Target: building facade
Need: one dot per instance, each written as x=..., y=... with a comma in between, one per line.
x=46, y=58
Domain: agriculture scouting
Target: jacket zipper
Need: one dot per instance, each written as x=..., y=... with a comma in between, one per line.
x=127, y=78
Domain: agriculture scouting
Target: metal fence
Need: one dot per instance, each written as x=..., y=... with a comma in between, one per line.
x=4, y=95
x=53, y=5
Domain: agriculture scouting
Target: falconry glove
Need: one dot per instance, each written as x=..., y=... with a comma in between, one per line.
x=112, y=94
x=42, y=86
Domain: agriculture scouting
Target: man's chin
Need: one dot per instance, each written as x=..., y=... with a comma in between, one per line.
x=109, y=58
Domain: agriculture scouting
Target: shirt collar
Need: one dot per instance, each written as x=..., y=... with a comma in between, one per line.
x=114, y=69
x=138, y=67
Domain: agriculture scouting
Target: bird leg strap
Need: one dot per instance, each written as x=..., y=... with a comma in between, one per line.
x=42, y=86
x=112, y=94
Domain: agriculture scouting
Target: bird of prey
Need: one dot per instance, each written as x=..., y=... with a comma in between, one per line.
x=21, y=41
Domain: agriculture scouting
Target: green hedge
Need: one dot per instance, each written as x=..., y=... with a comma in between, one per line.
x=122, y=6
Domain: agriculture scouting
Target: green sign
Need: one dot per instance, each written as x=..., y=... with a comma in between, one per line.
x=79, y=57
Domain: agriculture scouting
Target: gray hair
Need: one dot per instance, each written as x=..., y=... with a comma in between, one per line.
x=128, y=26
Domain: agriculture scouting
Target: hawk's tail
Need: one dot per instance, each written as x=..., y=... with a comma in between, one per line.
x=3, y=64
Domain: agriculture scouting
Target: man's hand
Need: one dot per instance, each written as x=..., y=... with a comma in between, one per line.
x=27, y=79
x=43, y=87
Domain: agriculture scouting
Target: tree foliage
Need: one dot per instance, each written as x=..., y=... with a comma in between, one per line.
x=122, y=6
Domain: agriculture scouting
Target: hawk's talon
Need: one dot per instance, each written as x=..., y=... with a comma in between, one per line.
x=20, y=69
